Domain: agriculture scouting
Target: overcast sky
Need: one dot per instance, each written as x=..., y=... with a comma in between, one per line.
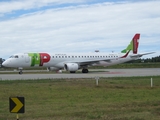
x=60, y=26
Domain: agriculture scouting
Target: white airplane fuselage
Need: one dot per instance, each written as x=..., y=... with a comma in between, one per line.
x=23, y=60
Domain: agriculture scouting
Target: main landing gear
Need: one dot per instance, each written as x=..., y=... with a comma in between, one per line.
x=72, y=71
x=85, y=70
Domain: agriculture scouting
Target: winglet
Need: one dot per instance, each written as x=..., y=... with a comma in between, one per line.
x=133, y=44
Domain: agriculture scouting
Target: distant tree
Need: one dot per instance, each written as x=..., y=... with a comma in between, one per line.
x=156, y=59
x=1, y=61
x=146, y=60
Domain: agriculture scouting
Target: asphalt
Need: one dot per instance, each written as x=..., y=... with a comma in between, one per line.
x=91, y=74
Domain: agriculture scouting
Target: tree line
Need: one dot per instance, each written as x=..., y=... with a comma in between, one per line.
x=146, y=60
x=1, y=61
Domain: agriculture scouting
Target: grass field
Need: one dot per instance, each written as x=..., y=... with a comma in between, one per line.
x=125, y=98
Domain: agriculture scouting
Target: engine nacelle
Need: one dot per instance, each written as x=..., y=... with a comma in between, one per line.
x=71, y=67
x=52, y=69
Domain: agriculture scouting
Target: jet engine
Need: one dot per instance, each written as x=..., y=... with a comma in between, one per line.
x=72, y=67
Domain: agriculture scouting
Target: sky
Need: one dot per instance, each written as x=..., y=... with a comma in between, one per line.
x=60, y=26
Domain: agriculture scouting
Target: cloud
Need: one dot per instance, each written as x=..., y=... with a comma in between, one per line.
x=9, y=6
x=81, y=28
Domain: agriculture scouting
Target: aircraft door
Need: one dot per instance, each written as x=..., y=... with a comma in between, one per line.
x=41, y=60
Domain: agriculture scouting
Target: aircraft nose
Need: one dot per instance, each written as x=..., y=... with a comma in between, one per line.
x=5, y=64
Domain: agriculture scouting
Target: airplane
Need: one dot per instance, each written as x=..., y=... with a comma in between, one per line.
x=74, y=61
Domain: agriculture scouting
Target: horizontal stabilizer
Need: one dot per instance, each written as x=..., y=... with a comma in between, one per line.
x=140, y=55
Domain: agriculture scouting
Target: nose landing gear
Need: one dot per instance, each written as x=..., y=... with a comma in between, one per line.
x=20, y=71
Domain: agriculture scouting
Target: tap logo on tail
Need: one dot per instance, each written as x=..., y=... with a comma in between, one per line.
x=133, y=46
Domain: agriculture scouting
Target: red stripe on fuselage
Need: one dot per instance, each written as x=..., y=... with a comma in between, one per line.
x=126, y=54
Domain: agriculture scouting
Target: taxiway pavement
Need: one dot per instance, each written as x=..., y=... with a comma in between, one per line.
x=91, y=74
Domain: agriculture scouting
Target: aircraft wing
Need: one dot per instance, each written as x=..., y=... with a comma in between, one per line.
x=140, y=55
x=90, y=62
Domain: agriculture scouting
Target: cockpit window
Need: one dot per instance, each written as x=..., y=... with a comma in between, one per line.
x=14, y=56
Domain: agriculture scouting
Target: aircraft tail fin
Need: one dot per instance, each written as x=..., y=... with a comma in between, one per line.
x=133, y=46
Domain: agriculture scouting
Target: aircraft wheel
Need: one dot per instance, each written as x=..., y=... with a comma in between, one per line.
x=84, y=70
x=20, y=72
x=72, y=71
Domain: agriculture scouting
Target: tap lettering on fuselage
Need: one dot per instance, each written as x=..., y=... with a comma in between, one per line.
x=39, y=58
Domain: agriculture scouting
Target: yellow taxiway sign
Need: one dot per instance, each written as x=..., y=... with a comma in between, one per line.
x=16, y=104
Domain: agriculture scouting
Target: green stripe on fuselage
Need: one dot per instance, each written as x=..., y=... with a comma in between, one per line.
x=35, y=58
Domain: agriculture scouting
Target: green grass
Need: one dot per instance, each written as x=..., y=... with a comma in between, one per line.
x=80, y=99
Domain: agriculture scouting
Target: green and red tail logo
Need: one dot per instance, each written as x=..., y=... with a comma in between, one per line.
x=133, y=46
